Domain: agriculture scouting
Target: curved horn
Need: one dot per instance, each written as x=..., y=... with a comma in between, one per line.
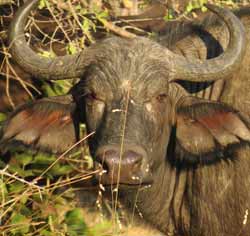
x=217, y=68
x=62, y=67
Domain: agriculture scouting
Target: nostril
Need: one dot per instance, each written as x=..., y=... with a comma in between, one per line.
x=132, y=158
x=137, y=165
x=107, y=159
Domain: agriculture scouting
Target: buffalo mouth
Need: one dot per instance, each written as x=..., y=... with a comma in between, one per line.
x=122, y=177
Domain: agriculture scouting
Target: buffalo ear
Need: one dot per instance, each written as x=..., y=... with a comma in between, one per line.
x=207, y=131
x=49, y=124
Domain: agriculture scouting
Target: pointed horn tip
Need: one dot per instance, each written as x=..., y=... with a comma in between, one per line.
x=234, y=55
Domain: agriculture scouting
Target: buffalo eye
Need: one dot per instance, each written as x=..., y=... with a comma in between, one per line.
x=161, y=98
x=94, y=110
x=91, y=97
x=156, y=103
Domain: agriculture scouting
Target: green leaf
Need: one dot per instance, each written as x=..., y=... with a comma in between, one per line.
x=169, y=15
x=24, y=159
x=2, y=116
x=16, y=187
x=196, y=4
x=47, y=54
x=86, y=25
x=89, y=161
x=83, y=11
x=27, y=211
x=43, y=4
x=20, y=224
x=78, y=7
x=16, y=168
x=189, y=7
x=71, y=48
x=102, y=15
x=75, y=223
x=48, y=90
x=44, y=159
x=58, y=169
x=204, y=9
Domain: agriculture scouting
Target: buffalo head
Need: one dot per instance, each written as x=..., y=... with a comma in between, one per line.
x=127, y=95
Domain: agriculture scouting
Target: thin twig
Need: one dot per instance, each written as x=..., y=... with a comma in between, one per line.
x=118, y=30
x=31, y=184
x=66, y=152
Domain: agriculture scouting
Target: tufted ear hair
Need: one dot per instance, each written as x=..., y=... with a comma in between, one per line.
x=49, y=124
x=206, y=132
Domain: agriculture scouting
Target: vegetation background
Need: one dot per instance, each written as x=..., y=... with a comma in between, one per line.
x=38, y=191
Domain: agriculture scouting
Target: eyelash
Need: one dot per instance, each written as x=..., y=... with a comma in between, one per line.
x=91, y=96
x=161, y=97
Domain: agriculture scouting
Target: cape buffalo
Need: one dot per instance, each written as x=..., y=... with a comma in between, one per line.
x=183, y=160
